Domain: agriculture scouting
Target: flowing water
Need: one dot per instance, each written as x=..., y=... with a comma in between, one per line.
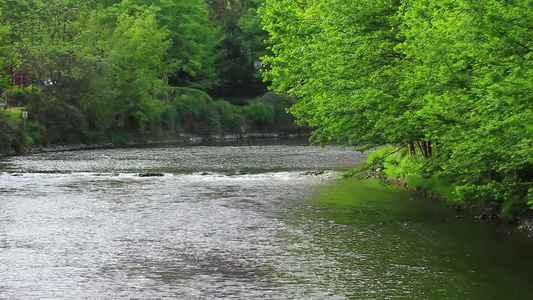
x=239, y=222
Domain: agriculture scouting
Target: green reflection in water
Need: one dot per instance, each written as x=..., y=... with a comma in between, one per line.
x=407, y=247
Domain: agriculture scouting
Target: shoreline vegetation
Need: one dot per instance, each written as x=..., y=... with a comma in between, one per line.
x=396, y=166
x=247, y=139
x=448, y=82
x=187, y=119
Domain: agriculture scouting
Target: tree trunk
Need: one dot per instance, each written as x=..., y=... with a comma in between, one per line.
x=425, y=148
x=492, y=175
x=412, y=149
x=421, y=147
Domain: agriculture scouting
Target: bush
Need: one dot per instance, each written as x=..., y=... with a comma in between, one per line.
x=374, y=164
x=91, y=137
x=63, y=122
x=12, y=117
x=260, y=114
x=392, y=163
x=29, y=142
x=118, y=138
x=188, y=110
x=11, y=139
x=194, y=111
x=232, y=119
x=515, y=206
x=278, y=104
x=16, y=97
x=36, y=133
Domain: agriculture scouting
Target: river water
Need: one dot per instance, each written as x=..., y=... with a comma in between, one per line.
x=239, y=221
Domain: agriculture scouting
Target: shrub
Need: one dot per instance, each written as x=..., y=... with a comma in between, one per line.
x=63, y=122
x=280, y=103
x=11, y=139
x=260, y=114
x=118, y=137
x=17, y=97
x=231, y=118
x=37, y=133
x=194, y=111
x=12, y=117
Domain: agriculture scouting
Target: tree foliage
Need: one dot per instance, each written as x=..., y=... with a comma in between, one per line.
x=242, y=44
x=194, y=38
x=450, y=80
x=96, y=70
x=137, y=47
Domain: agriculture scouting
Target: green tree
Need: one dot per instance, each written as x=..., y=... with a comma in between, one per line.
x=470, y=74
x=451, y=79
x=242, y=45
x=339, y=59
x=193, y=37
x=4, y=48
x=137, y=50
x=42, y=34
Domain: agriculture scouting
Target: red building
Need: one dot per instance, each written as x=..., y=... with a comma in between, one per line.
x=21, y=78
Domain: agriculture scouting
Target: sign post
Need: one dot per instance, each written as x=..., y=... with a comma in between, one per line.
x=24, y=117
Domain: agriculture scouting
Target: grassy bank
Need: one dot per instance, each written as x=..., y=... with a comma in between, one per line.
x=416, y=173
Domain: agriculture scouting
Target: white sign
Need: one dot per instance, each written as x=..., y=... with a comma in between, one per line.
x=24, y=114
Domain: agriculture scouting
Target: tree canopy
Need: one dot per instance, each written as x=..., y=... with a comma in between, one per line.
x=450, y=80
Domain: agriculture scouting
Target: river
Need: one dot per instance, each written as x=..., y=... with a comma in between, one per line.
x=239, y=221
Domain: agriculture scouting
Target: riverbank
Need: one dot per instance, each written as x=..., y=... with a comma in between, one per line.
x=248, y=139
x=188, y=115
x=396, y=166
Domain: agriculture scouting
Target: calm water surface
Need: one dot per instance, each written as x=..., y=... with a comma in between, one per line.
x=239, y=222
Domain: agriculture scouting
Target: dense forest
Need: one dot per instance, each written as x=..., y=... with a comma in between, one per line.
x=91, y=71
x=448, y=83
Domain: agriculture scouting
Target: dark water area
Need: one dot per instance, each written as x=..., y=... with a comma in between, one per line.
x=239, y=221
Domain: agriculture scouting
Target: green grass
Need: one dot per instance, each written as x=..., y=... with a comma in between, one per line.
x=399, y=165
x=13, y=117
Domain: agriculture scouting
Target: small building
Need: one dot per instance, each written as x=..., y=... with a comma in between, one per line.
x=21, y=78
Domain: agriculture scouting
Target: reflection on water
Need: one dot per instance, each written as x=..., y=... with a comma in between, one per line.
x=237, y=223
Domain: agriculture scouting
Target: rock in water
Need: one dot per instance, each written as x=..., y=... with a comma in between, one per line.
x=150, y=175
x=315, y=173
